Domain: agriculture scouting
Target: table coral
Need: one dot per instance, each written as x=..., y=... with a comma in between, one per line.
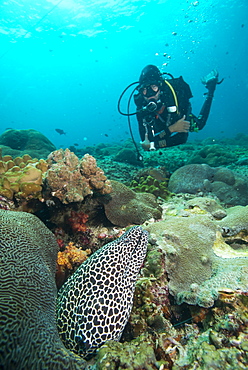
x=29, y=337
x=71, y=180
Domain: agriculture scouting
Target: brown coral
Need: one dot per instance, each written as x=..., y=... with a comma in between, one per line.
x=71, y=179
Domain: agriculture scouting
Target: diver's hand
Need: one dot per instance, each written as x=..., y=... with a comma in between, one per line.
x=211, y=80
x=180, y=126
x=146, y=143
x=145, y=146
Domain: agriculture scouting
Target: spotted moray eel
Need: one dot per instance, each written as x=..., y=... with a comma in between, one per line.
x=95, y=302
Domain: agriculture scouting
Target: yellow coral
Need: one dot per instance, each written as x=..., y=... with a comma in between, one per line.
x=72, y=256
x=21, y=170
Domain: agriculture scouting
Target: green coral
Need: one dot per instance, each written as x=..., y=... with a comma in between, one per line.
x=151, y=185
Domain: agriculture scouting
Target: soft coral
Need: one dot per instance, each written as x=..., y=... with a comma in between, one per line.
x=78, y=221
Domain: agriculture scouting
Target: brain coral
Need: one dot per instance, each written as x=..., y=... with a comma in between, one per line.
x=126, y=207
x=71, y=179
x=29, y=337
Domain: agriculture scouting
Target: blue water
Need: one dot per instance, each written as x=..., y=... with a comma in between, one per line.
x=64, y=63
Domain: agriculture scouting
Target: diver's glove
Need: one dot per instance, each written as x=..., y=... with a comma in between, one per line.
x=211, y=80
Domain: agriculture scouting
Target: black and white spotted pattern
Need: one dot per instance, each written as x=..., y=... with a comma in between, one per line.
x=95, y=302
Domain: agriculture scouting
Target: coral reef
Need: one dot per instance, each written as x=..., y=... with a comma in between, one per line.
x=69, y=259
x=213, y=155
x=71, y=180
x=139, y=354
x=229, y=187
x=125, y=207
x=235, y=221
x=19, y=142
x=21, y=177
x=29, y=336
x=209, y=205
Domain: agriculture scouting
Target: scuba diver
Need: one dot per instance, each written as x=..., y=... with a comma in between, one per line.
x=164, y=111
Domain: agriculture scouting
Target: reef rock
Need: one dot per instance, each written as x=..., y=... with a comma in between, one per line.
x=231, y=188
x=125, y=207
x=71, y=180
x=19, y=142
x=29, y=336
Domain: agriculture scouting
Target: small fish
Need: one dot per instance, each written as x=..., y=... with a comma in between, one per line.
x=59, y=131
x=106, y=135
x=75, y=144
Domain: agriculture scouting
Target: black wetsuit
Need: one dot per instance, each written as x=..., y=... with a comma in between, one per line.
x=156, y=123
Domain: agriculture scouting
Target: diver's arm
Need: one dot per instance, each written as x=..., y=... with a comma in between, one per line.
x=201, y=120
x=210, y=82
